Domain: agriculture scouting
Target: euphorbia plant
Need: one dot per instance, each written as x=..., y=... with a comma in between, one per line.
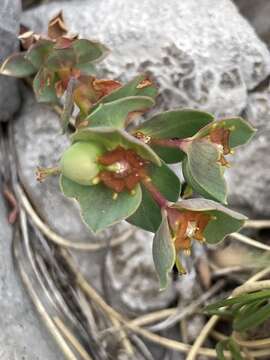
x=117, y=171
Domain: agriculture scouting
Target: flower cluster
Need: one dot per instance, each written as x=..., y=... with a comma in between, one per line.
x=124, y=169
x=118, y=171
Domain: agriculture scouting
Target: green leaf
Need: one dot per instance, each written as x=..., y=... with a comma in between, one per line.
x=115, y=114
x=132, y=88
x=148, y=215
x=111, y=138
x=203, y=172
x=38, y=53
x=253, y=319
x=18, y=66
x=241, y=130
x=229, y=345
x=61, y=58
x=99, y=210
x=44, y=86
x=163, y=252
x=86, y=69
x=174, y=124
x=242, y=299
x=89, y=51
x=220, y=348
x=224, y=221
x=234, y=349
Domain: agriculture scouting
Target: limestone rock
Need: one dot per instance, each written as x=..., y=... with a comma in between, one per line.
x=204, y=55
x=249, y=178
x=132, y=279
x=9, y=28
x=22, y=335
x=257, y=12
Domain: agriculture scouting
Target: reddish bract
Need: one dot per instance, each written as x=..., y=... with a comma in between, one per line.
x=129, y=170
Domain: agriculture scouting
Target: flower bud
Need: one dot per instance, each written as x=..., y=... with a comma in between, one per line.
x=79, y=162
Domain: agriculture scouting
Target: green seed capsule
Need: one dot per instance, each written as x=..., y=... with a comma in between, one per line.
x=79, y=162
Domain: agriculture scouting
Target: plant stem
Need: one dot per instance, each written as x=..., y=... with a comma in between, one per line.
x=156, y=194
x=180, y=144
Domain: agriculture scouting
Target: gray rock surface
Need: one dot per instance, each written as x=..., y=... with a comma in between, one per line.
x=202, y=55
x=132, y=279
x=9, y=28
x=257, y=12
x=22, y=335
x=249, y=178
x=39, y=142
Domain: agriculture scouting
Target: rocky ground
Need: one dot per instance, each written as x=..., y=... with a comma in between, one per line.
x=207, y=57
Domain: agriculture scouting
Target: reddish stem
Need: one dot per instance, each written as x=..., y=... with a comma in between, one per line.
x=10, y=197
x=156, y=194
x=172, y=143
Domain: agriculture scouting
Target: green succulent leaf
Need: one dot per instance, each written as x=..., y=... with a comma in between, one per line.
x=61, y=58
x=148, y=215
x=86, y=68
x=18, y=66
x=111, y=138
x=224, y=221
x=130, y=89
x=163, y=252
x=98, y=208
x=115, y=114
x=38, y=53
x=174, y=124
x=203, y=172
x=44, y=86
x=241, y=130
x=87, y=51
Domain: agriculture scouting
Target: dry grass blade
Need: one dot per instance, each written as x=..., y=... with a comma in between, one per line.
x=201, y=338
x=253, y=344
x=251, y=286
x=257, y=224
x=59, y=240
x=94, y=296
x=249, y=241
x=68, y=353
x=71, y=338
x=188, y=310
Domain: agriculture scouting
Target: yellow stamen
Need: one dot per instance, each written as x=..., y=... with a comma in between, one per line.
x=187, y=252
x=115, y=196
x=96, y=180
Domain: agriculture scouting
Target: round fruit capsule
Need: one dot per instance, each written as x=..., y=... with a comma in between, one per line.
x=79, y=162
